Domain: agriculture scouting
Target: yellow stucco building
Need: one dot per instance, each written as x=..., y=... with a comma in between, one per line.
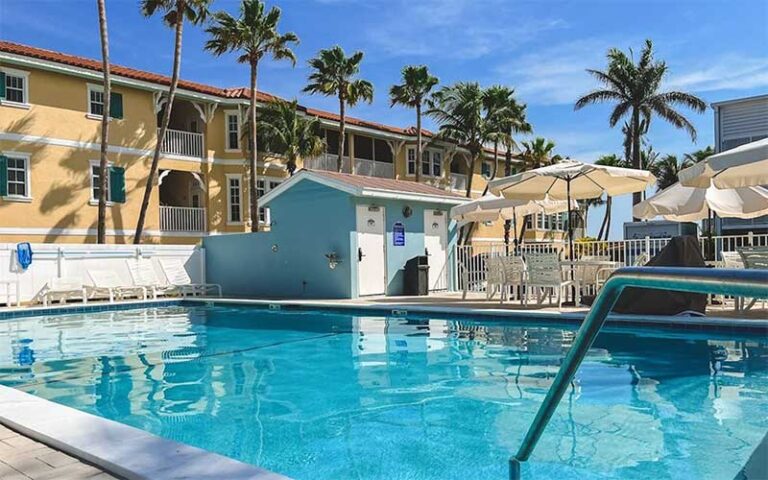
x=50, y=124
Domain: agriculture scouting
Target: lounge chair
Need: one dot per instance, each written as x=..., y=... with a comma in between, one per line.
x=545, y=273
x=177, y=275
x=494, y=277
x=63, y=289
x=106, y=282
x=753, y=258
x=514, y=270
x=143, y=275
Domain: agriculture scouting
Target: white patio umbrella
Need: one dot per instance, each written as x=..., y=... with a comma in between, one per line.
x=744, y=166
x=490, y=208
x=572, y=180
x=679, y=203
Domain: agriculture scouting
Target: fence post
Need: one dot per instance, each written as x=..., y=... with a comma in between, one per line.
x=751, y=238
x=202, y=264
x=59, y=262
x=648, y=246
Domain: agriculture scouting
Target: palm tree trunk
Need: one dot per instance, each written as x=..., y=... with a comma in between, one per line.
x=163, y=128
x=637, y=196
x=101, y=236
x=418, y=142
x=471, y=173
x=342, y=128
x=608, y=205
x=253, y=151
x=507, y=172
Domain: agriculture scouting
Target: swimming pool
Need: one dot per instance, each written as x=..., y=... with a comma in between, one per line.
x=326, y=394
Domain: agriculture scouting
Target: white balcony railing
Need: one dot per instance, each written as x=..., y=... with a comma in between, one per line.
x=459, y=182
x=328, y=162
x=177, y=142
x=182, y=219
x=370, y=168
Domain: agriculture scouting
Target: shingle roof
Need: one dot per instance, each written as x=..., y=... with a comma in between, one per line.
x=389, y=184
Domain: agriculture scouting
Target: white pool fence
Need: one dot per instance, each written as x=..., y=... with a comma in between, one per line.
x=73, y=261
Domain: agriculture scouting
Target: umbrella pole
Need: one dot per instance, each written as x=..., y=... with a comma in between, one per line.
x=514, y=229
x=570, y=235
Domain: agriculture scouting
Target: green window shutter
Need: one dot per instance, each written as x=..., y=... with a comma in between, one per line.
x=117, y=184
x=2, y=85
x=116, y=105
x=3, y=174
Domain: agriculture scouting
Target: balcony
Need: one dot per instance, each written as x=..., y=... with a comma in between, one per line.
x=369, y=168
x=182, y=219
x=186, y=144
x=459, y=182
x=328, y=162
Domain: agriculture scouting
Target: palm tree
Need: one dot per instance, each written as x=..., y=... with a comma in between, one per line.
x=287, y=132
x=175, y=13
x=101, y=224
x=335, y=74
x=698, y=155
x=417, y=83
x=611, y=161
x=459, y=112
x=666, y=170
x=538, y=153
x=635, y=88
x=253, y=35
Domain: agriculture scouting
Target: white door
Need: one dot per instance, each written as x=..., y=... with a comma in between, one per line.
x=436, y=247
x=371, y=257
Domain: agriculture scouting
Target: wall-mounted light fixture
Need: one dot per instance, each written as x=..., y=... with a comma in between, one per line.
x=333, y=260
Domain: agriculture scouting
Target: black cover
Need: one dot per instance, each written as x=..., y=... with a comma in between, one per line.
x=683, y=251
x=417, y=276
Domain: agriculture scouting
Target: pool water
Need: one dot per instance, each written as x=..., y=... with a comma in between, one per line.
x=327, y=395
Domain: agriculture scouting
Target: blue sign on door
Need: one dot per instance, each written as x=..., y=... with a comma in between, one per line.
x=398, y=234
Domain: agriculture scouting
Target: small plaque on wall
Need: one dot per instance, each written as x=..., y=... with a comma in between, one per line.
x=398, y=234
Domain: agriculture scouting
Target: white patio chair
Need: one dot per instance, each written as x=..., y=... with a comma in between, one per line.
x=753, y=258
x=63, y=289
x=589, y=276
x=514, y=271
x=106, y=282
x=546, y=275
x=143, y=275
x=177, y=275
x=494, y=277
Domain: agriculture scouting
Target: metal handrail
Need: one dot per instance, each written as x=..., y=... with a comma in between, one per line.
x=737, y=283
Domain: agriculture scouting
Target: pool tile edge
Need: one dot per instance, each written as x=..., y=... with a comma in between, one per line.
x=126, y=451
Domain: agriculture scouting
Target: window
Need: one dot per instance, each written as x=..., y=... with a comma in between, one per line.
x=14, y=176
x=14, y=87
x=233, y=130
x=486, y=169
x=264, y=217
x=411, y=160
x=425, y=163
x=234, y=199
x=96, y=103
x=115, y=183
x=437, y=164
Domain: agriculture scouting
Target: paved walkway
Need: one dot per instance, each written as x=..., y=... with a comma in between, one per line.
x=22, y=458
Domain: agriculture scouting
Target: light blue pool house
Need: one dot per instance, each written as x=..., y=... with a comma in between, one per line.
x=335, y=235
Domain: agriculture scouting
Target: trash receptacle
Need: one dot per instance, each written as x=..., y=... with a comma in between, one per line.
x=417, y=276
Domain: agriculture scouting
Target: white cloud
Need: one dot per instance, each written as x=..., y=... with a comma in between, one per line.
x=557, y=75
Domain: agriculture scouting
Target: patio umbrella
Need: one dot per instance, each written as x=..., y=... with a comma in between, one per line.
x=572, y=180
x=744, y=166
x=689, y=204
x=490, y=208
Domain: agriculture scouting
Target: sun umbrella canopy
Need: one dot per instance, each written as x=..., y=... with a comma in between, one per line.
x=744, y=166
x=491, y=208
x=586, y=181
x=689, y=204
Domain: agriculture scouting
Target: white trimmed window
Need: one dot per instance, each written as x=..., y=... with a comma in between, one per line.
x=95, y=176
x=234, y=198
x=486, y=169
x=95, y=100
x=14, y=89
x=232, y=130
x=14, y=171
x=262, y=187
x=431, y=162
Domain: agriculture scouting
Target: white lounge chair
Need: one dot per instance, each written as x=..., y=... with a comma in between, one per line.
x=494, y=277
x=545, y=273
x=177, y=275
x=753, y=258
x=143, y=275
x=106, y=282
x=63, y=289
x=514, y=271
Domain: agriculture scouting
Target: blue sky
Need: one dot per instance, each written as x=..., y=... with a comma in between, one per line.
x=716, y=49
